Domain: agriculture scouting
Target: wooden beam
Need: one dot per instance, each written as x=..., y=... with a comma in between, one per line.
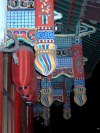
x=5, y=102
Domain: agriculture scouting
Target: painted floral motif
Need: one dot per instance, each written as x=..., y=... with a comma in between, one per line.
x=13, y=4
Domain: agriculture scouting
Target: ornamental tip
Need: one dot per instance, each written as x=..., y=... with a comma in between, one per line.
x=80, y=99
x=66, y=114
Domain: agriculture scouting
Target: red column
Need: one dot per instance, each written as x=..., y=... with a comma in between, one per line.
x=30, y=121
x=1, y=88
x=17, y=112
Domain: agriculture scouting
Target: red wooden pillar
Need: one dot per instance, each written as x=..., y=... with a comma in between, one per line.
x=30, y=123
x=1, y=88
x=17, y=112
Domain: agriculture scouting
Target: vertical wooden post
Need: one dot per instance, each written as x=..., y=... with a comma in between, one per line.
x=10, y=99
x=13, y=111
x=17, y=113
x=5, y=102
x=1, y=88
x=30, y=123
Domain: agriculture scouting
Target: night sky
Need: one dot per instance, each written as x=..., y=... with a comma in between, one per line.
x=85, y=118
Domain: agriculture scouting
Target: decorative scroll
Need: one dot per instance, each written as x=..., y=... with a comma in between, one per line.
x=22, y=4
x=68, y=72
x=28, y=36
x=64, y=52
x=63, y=71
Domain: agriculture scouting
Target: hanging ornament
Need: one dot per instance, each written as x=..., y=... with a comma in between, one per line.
x=46, y=115
x=66, y=114
x=25, y=91
x=30, y=99
x=23, y=72
x=47, y=97
x=33, y=97
x=80, y=97
x=45, y=61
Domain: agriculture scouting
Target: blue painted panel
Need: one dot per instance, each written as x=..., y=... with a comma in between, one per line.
x=21, y=19
x=63, y=41
x=45, y=34
x=65, y=62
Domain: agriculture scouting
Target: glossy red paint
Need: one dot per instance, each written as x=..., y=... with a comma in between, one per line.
x=17, y=113
x=22, y=73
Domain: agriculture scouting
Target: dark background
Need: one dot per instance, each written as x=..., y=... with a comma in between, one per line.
x=85, y=118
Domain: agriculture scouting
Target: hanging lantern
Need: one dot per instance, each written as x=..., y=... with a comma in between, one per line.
x=45, y=61
x=30, y=99
x=23, y=72
x=28, y=90
x=25, y=91
x=3, y=14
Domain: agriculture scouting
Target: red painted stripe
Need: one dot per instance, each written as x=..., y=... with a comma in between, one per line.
x=17, y=113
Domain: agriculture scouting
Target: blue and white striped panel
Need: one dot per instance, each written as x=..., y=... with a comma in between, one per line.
x=64, y=62
x=21, y=19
